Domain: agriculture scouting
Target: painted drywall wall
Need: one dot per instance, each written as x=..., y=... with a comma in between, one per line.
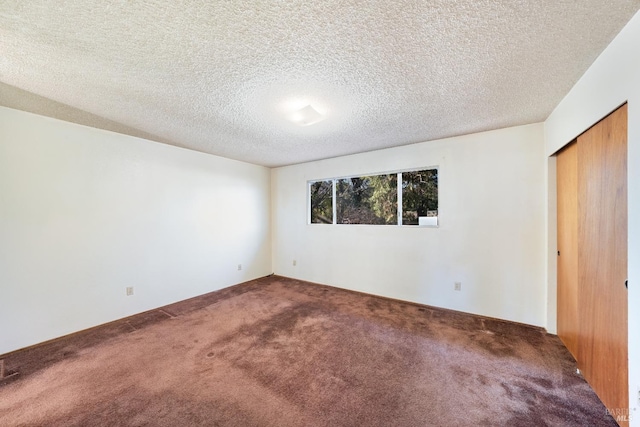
x=85, y=213
x=490, y=238
x=614, y=78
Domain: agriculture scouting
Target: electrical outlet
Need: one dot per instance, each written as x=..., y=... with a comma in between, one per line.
x=295, y=262
x=239, y=267
x=129, y=291
x=457, y=286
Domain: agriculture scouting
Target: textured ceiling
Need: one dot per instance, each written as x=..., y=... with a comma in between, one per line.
x=221, y=76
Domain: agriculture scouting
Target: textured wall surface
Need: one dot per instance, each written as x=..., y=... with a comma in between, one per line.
x=219, y=77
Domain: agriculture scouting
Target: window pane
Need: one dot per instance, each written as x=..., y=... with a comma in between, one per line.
x=367, y=200
x=420, y=197
x=321, y=202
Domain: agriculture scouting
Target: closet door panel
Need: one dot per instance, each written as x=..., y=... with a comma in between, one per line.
x=567, y=182
x=602, y=258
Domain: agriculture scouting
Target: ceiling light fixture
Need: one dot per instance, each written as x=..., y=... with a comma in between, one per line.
x=306, y=116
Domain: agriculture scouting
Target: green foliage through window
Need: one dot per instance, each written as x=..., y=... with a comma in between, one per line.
x=321, y=202
x=374, y=199
x=419, y=195
x=367, y=200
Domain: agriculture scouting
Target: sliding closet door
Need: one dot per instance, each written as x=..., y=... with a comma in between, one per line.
x=602, y=258
x=567, y=177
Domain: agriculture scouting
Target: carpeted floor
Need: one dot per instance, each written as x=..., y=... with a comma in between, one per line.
x=281, y=352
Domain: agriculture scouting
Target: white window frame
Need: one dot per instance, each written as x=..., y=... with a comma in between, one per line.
x=399, y=191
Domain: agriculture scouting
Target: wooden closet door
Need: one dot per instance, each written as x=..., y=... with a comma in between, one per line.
x=567, y=178
x=602, y=258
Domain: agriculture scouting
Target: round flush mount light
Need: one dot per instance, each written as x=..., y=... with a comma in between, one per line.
x=306, y=116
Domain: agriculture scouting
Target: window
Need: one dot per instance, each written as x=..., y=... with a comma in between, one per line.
x=420, y=197
x=403, y=198
x=321, y=202
x=367, y=200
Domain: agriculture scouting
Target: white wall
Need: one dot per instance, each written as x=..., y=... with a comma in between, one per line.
x=85, y=213
x=491, y=235
x=612, y=79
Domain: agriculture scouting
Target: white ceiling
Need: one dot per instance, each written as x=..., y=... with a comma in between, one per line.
x=218, y=76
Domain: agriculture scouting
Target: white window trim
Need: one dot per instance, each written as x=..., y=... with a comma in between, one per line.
x=399, y=213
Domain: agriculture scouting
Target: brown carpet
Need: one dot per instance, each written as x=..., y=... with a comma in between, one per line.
x=280, y=352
